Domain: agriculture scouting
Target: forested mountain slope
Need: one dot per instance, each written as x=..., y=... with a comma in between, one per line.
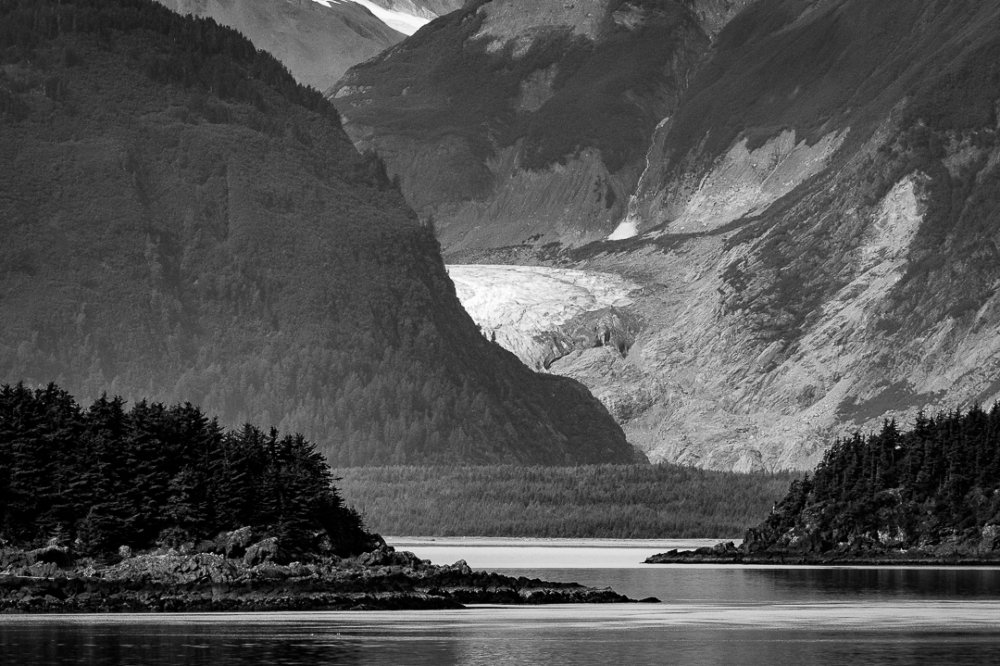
x=812, y=216
x=182, y=221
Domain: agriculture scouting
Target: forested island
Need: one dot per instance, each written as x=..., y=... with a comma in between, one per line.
x=927, y=496
x=157, y=508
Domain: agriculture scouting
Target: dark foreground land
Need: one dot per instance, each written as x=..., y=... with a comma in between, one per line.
x=176, y=582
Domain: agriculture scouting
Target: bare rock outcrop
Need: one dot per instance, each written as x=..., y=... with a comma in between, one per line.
x=170, y=581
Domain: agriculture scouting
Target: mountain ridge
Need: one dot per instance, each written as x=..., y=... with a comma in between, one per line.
x=185, y=222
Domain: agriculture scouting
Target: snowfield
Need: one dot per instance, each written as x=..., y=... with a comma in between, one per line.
x=521, y=307
x=399, y=21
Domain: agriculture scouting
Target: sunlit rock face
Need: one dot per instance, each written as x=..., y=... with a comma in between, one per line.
x=807, y=243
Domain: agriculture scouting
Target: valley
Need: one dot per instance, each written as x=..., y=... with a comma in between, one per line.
x=281, y=275
x=745, y=226
x=801, y=196
x=265, y=298
x=741, y=243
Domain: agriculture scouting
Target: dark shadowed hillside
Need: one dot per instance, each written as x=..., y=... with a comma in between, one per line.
x=182, y=221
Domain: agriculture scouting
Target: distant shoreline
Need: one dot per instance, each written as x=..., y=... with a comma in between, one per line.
x=547, y=542
x=794, y=560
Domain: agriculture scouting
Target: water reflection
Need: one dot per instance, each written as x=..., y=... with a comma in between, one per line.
x=52, y=640
x=882, y=582
x=964, y=632
x=737, y=585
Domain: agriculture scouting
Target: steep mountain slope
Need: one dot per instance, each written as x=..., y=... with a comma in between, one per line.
x=318, y=40
x=813, y=223
x=513, y=121
x=825, y=215
x=182, y=221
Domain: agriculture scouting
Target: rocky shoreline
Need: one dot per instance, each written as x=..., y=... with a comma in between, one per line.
x=728, y=553
x=172, y=581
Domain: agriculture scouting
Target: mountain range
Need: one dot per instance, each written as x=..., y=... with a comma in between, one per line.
x=182, y=221
x=763, y=223
x=803, y=193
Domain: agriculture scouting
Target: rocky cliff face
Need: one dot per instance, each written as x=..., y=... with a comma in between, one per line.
x=813, y=231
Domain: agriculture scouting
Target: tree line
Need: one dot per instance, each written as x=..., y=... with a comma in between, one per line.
x=106, y=476
x=586, y=501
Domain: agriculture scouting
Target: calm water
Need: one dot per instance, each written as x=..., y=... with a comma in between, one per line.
x=710, y=615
